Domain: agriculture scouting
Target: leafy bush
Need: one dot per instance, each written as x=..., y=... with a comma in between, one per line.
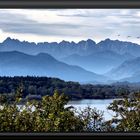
x=47, y=115
x=127, y=113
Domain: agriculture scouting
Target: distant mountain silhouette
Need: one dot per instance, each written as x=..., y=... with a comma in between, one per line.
x=19, y=64
x=65, y=48
x=132, y=79
x=57, y=50
x=82, y=61
x=135, y=78
x=129, y=68
x=99, y=62
x=119, y=47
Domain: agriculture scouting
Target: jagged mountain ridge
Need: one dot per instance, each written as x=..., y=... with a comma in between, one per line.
x=65, y=48
x=86, y=55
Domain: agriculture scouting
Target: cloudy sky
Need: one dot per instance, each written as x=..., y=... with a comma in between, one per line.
x=70, y=24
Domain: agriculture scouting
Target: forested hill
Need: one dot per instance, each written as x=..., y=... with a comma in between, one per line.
x=40, y=86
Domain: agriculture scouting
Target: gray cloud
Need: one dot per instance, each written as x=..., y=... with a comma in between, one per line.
x=18, y=23
x=86, y=23
x=74, y=15
x=86, y=14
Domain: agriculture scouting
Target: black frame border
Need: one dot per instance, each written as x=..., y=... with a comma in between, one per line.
x=100, y=134
x=69, y=4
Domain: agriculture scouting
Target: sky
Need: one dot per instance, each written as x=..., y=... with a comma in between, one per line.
x=49, y=25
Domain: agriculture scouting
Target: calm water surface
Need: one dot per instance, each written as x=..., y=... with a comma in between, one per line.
x=94, y=103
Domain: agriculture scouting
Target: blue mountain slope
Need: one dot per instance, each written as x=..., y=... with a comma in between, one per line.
x=127, y=69
x=20, y=64
x=99, y=62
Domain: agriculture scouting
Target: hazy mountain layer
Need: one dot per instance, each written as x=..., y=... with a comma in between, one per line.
x=99, y=62
x=129, y=68
x=20, y=64
x=119, y=60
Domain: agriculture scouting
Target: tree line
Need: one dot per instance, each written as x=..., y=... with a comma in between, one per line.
x=46, y=86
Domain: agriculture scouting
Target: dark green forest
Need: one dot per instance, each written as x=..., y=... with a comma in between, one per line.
x=36, y=87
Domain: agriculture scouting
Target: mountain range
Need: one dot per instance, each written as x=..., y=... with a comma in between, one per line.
x=66, y=48
x=127, y=70
x=85, y=61
x=19, y=64
x=99, y=62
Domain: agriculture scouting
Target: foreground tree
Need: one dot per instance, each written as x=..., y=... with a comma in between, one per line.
x=47, y=115
x=127, y=113
x=92, y=118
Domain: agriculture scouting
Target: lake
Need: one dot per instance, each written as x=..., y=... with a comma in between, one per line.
x=98, y=104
